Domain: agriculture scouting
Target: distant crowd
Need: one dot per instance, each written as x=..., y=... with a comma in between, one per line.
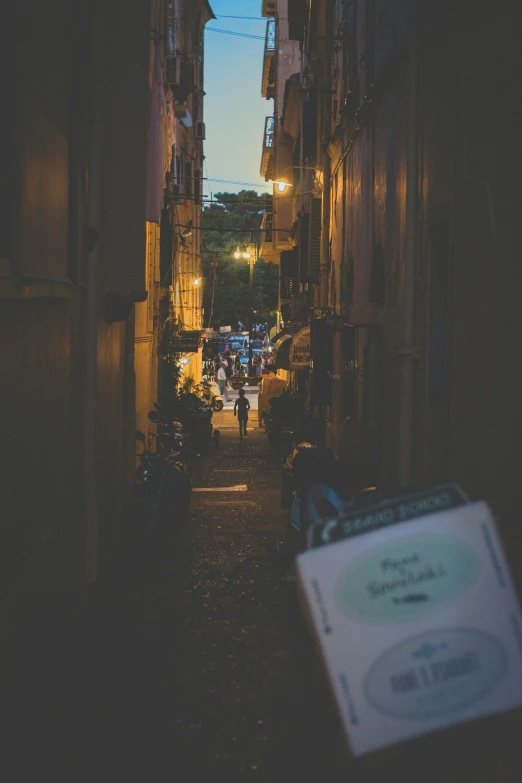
x=231, y=363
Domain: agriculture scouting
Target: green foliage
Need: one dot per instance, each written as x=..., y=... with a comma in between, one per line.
x=234, y=211
x=172, y=371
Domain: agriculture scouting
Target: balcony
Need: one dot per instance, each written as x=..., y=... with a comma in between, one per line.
x=268, y=80
x=267, y=157
x=267, y=250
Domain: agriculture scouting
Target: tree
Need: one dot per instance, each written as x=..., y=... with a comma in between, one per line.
x=234, y=221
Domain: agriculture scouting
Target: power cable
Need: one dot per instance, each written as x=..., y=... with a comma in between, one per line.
x=233, y=182
x=239, y=35
x=253, y=18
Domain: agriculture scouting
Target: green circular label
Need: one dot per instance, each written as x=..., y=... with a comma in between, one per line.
x=409, y=578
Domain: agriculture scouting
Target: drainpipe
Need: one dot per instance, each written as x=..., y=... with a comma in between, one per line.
x=408, y=350
x=325, y=233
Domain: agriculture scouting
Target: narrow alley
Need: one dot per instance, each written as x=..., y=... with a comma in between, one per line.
x=316, y=204
x=243, y=704
x=197, y=666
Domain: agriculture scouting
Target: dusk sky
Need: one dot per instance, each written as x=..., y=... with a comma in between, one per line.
x=234, y=109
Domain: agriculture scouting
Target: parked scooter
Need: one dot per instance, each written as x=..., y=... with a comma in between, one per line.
x=282, y=423
x=175, y=438
x=195, y=416
x=288, y=425
x=210, y=395
x=321, y=486
x=162, y=489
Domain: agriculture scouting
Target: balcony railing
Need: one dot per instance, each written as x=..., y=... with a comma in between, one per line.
x=270, y=38
x=269, y=132
x=267, y=157
x=268, y=78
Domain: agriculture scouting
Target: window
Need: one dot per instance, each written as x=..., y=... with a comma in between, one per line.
x=197, y=185
x=188, y=179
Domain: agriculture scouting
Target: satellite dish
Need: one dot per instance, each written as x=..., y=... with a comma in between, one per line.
x=187, y=120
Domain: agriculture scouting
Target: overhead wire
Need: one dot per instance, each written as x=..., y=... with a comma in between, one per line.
x=239, y=35
x=253, y=18
x=233, y=182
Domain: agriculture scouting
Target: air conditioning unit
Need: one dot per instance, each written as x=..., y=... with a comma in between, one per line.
x=200, y=130
x=173, y=71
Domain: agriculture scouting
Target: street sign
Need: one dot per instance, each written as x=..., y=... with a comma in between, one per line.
x=224, y=329
x=418, y=624
x=187, y=342
x=388, y=512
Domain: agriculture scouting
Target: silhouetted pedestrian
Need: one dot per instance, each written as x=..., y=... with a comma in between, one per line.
x=242, y=406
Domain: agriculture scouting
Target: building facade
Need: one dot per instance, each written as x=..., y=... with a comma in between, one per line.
x=184, y=74
x=412, y=132
x=90, y=137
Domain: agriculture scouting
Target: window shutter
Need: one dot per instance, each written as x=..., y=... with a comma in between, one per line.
x=188, y=179
x=288, y=273
x=296, y=19
x=314, y=258
x=197, y=185
x=304, y=247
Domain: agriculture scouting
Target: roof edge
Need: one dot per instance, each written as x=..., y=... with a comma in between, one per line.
x=211, y=14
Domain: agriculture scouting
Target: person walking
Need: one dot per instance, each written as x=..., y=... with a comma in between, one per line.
x=217, y=365
x=222, y=382
x=242, y=406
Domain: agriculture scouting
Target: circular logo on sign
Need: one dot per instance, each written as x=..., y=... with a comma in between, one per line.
x=409, y=578
x=435, y=673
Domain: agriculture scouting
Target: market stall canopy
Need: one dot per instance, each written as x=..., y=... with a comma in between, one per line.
x=280, y=354
x=300, y=350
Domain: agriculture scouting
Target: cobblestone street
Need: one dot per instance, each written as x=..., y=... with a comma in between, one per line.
x=197, y=666
x=243, y=705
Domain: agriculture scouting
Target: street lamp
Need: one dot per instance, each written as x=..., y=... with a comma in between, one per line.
x=249, y=255
x=282, y=184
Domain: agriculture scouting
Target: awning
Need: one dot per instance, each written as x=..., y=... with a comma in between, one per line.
x=280, y=354
x=300, y=350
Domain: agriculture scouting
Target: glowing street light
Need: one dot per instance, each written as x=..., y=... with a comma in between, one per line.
x=282, y=184
x=250, y=255
x=197, y=281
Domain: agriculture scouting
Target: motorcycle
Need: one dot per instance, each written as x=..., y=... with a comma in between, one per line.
x=210, y=395
x=321, y=486
x=162, y=488
x=174, y=437
x=288, y=425
x=194, y=415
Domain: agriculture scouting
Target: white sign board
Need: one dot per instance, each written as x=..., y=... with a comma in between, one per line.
x=418, y=624
x=224, y=329
x=300, y=350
